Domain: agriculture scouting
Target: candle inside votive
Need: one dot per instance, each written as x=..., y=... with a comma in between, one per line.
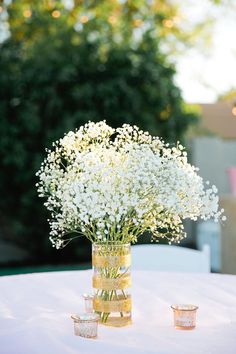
x=85, y=325
x=184, y=316
x=88, y=303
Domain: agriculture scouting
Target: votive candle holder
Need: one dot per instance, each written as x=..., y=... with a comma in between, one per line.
x=184, y=316
x=86, y=325
x=88, y=303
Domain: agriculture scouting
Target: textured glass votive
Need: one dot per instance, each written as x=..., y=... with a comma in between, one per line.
x=86, y=325
x=88, y=303
x=184, y=316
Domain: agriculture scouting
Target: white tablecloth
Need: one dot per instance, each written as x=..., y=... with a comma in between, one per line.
x=35, y=314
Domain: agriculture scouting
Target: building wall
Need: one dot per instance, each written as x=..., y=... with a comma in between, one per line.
x=213, y=156
x=218, y=119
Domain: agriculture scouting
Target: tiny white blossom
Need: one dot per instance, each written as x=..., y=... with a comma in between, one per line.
x=115, y=189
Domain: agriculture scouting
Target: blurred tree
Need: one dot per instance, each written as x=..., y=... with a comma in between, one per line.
x=113, y=21
x=62, y=66
x=229, y=95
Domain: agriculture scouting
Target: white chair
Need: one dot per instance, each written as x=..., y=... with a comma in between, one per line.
x=170, y=258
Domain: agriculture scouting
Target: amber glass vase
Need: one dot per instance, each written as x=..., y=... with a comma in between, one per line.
x=112, y=282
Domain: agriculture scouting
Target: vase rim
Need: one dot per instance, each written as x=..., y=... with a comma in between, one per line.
x=111, y=243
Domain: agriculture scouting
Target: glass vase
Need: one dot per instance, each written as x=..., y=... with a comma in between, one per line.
x=112, y=282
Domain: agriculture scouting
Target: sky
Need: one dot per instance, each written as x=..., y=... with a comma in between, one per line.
x=203, y=76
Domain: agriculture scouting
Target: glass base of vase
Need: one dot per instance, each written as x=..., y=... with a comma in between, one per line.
x=117, y=321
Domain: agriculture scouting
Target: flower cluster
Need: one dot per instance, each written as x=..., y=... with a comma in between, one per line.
x=113, y=184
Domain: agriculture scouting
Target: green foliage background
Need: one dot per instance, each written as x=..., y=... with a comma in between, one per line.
x=54, y=78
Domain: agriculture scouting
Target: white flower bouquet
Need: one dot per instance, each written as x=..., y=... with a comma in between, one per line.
x=114, y=184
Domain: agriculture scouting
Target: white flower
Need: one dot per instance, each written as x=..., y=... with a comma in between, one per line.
x=115, y=189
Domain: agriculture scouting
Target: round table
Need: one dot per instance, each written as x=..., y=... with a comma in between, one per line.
x=35, y=314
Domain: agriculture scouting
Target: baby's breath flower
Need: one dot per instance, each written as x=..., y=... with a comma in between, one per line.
x=113, y=184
